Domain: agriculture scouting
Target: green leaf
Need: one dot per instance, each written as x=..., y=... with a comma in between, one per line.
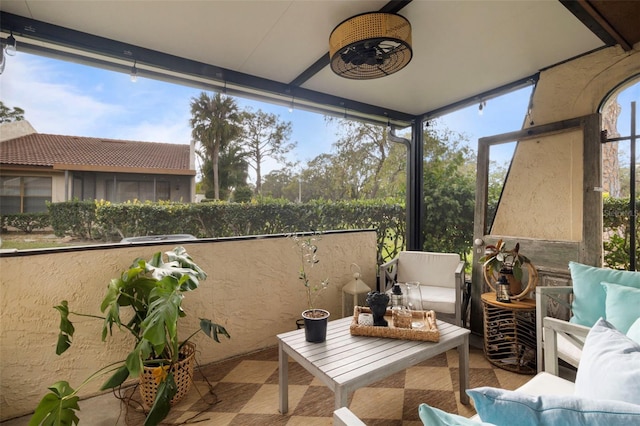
x=113, y=291
x=57, y=407
x=517, y=273
x=66, y=328
x=161, y=405
x=63, y=343
x=160, y=325
x=117, y=379
x=212, y=329
x=134, y=361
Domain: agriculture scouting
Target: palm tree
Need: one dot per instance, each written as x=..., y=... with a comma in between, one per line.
x=215, y=121
x=232, y=170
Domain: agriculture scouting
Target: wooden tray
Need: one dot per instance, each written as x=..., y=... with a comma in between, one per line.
x=427, y=333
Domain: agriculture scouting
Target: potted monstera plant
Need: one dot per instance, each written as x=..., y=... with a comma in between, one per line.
x=149, y=294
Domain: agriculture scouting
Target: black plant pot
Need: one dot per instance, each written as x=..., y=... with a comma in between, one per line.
x=315, y=325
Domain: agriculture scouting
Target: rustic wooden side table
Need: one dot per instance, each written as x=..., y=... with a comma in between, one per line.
x=510, y=333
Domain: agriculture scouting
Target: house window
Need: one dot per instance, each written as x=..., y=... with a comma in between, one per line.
x=127, y=190
x=23, y=194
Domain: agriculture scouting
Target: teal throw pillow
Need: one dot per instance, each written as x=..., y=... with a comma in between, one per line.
x=610, y=366
x=431, y=416
x=503, y=407
x=589, y=298
x=634, y=331
x=622, y=305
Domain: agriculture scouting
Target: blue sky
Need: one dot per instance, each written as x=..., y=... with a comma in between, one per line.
x=71, y=99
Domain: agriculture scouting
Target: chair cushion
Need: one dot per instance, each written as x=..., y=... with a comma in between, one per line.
x=431, y=416
x=634, y=331
x=589, y=296
x=433, y=269
x=545, y=383
x=439, y=299
x=610, y=366
x=622, y=305
x=568, y=351
x=503, y=407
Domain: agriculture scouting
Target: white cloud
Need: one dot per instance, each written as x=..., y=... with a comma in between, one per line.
x=51, y=107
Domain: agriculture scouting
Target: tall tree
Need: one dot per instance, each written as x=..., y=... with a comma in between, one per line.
x=282, y=183
x=232, y=170
x=362, y=149
x=264, y=136
x=8, y=115
x=215, y=122
x=449, y=195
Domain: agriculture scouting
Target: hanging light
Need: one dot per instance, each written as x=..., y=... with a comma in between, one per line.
x=481, y=107
x=11, y=49
x=370, y=45
x=134, y=73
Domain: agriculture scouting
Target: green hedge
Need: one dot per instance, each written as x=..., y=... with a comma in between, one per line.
x=75, y=218
x=112, y=222
x=26, y=222
x=617, y=235
x=215, y=219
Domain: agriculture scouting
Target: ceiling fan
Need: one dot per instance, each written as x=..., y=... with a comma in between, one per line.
x=370, y=45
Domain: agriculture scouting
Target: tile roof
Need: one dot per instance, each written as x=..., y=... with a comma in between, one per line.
x=40, y=149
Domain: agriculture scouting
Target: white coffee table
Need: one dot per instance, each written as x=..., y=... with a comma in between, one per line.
x=345, y=362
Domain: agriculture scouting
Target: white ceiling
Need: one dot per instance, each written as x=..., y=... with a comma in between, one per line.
x=460, y=48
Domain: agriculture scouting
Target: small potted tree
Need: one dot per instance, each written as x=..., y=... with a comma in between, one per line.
x=315, y=319
x=152, y=293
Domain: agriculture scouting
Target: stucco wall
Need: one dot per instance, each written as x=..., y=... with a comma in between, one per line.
x=543, y=194
x=15, y=129
x=252, y=289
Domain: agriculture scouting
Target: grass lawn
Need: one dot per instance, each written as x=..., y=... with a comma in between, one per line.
x=23, y=241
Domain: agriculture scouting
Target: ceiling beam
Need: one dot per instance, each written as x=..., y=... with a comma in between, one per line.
x=598, y=24
x=393, y=6
x=480, y=97
x=77, y=46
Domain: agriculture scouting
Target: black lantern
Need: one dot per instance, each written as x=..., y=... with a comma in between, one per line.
x=502, y=290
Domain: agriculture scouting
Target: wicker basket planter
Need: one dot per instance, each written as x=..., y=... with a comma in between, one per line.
x=182, y=374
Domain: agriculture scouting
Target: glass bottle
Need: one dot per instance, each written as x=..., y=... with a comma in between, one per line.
x=414, y=301
x=397, y=298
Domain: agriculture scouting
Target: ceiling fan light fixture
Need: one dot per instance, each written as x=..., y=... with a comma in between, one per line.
x=370, y=45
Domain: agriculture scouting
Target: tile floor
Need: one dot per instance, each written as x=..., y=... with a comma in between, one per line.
x=244, y=391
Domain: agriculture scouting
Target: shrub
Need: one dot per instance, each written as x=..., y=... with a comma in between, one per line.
x=242, y=194
x=74, y=218
x=617, y=235
x=217, y=219
x=26, y=222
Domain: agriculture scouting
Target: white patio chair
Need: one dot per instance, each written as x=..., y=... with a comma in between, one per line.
x=441, y=278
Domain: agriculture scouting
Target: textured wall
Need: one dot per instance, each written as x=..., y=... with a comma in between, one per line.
x=543, y=194
x=252, y=289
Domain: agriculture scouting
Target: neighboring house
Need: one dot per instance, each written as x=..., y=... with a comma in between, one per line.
x=36, y=168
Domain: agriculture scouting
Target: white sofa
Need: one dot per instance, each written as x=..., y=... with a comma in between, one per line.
x=594, y=293
x=546, y=382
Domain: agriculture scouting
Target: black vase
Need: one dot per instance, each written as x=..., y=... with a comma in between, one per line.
x=315, y=325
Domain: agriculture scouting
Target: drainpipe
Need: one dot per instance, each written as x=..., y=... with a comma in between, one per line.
x=632, y=190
